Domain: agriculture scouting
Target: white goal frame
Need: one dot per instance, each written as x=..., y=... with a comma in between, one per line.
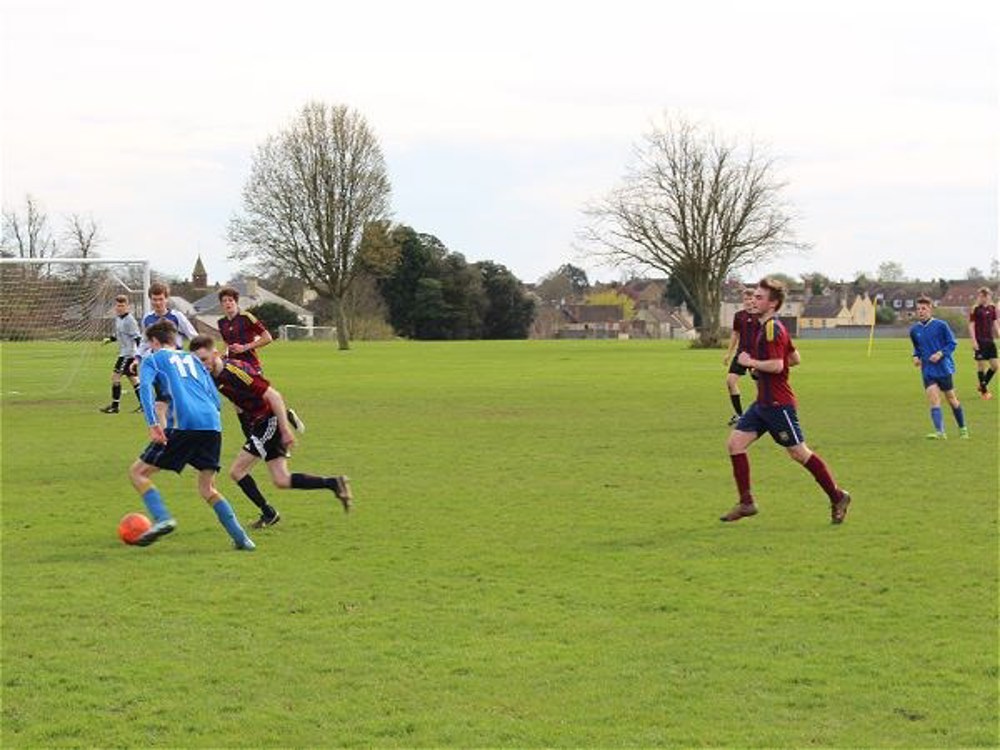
x=144, y=264
x=308, y=333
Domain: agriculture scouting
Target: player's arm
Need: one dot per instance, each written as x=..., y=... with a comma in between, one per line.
x=996, y=328
x=277, y=404
x=972, y=330
x=147, y=397
x=184, y=326
x=734, y=339
x=794, y=358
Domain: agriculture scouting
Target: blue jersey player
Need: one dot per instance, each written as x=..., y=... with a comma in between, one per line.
x=193, y=435
x=933, y=346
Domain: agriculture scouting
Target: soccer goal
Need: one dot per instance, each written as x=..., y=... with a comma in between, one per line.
x=307, y=333
x=54, y=313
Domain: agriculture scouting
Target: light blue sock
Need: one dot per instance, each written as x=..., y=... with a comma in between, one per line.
x=959, y=415
x=155, y=506
x=228, y=520
x=937, y=418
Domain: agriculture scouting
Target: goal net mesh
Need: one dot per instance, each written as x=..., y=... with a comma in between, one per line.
x=308, y=333
x=53, y=317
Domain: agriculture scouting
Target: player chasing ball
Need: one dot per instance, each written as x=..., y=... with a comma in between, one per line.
x=774, y=411
x=933, y=345
x=268, y=430
x=193, y=435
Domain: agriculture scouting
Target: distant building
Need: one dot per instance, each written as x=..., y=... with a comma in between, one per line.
x=209, y=309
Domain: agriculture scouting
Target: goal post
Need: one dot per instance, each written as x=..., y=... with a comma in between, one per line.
x=65, y=307
x=307, y=333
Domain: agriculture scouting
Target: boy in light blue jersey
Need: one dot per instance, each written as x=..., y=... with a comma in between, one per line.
x=193, y=434
x=933, y=346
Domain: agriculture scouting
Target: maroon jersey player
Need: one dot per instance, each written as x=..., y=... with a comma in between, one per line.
x=268, y=431
x=744, y=333
x=984, y=330
x=242, y=331
x=774, y=411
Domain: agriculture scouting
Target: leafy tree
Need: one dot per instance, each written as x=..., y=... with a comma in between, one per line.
x=315, y=190
x=274, y=316
x=613, y=297
x=419, y=256
x=430, y=312
x=695, y=208
x=995, y=269
x=565, y=282
x=509, y=311
x=885, y=315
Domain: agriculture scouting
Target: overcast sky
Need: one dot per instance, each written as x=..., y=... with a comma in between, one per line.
x=500, y=120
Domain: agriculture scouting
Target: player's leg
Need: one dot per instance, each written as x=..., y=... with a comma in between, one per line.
x=956, y=410
x=116, y=389
x=141, y=473
x=737, y=444
x=937, y=419
x=239, y=472
x=733, y=386
x=994, y=365
x=340, y=485
x=223, y=510
x=840, y=498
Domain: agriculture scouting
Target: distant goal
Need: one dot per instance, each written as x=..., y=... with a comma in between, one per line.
x=307, y=333
x=63, y=308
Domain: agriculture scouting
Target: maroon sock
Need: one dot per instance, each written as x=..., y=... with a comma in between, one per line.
x=823, y=478
x=741, y=472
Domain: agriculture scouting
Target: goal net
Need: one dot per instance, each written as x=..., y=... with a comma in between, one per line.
x=307, y=333
x=54, y=313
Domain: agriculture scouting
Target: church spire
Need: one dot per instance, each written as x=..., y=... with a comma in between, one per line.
x=199, y=278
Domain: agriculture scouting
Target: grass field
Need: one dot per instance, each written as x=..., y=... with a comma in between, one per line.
x=534, y=560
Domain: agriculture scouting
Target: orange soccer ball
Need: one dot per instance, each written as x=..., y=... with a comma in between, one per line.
x=132, y=526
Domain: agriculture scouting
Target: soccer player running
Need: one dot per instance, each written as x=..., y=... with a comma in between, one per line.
x=269, y=435
x=193, y=435
x=745, y=329
x=984, y=329
x=244, y=333
x=127, y=335
x=933, y=345
x=771, y=355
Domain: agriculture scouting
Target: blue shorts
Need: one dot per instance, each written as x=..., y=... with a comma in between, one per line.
x=197, y=448
x=944, y=382
x=781, y=422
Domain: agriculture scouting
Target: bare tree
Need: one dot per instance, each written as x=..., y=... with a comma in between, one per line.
x=890, y=270
x=83, y=236
x=314, y=191
x=693, y=207
x=27, y=235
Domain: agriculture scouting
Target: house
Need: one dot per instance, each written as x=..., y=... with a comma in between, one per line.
x=208, y=309
x=961, y=296
x=823, y=311
x=592, y=322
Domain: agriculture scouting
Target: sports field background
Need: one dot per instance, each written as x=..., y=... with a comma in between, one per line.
x=534, y=560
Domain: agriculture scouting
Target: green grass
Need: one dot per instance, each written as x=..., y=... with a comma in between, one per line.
x=534, y=560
